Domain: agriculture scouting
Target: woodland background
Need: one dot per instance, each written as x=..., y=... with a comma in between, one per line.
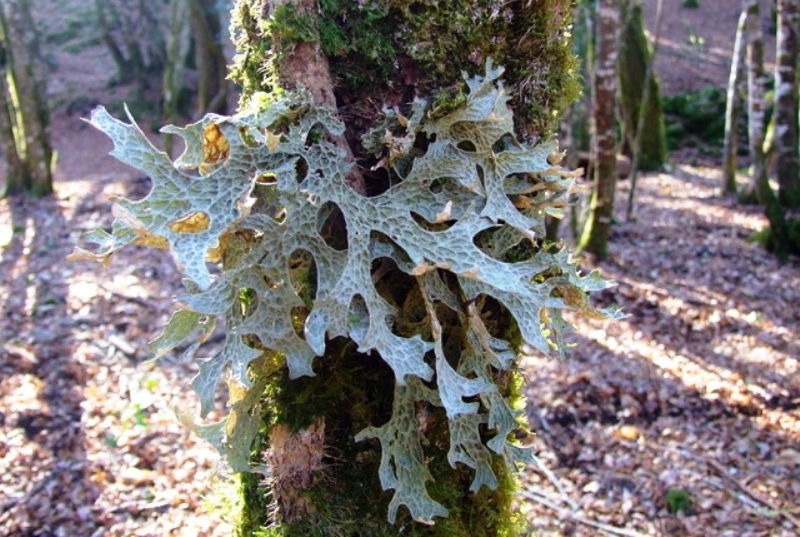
x=682, y=419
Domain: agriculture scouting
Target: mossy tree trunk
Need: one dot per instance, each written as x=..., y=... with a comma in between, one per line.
x=733, y=108
x=212, y=90
x=786, y=108
x=782, y=236
x=604, y=150
x=634, y=59
x=24, y=112
x=358, y=58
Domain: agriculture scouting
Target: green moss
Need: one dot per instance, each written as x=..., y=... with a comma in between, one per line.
x=448, y=100
x=380, y=47
x=289, y=26
x=348, y=498
x=699, y=114
x=252, y=512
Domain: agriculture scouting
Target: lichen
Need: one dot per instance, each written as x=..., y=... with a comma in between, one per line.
x=428, y=313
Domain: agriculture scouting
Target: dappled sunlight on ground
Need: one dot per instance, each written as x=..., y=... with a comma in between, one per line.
x=88, y=433
x=697, y=390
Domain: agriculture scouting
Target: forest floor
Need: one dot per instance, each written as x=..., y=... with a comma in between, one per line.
x=691, y=401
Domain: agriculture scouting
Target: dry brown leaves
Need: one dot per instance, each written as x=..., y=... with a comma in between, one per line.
x=89, y=441
x=696, y=391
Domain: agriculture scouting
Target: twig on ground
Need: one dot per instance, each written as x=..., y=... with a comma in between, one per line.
x=137, y=507
x=564, y=513
x=553, y=478
x=149, y=304
x=725, y=475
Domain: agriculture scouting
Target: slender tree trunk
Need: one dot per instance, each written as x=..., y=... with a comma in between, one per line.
x=25, y=115
x=595, y=233
x=786, y=104
x=125, y=71
x=178, y=46
x=756, y=99
x=733, y=108
x=638, y=97
x=16, y=175
x=210, y=59
x=783, y=237
x=645, y=107
x=134, y=35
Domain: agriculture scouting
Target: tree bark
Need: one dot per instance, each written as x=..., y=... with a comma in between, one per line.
x=595, y=233
x=756, y=100
x=783, y=236
x=786, y=104
x=733, y=108
x=25, y=117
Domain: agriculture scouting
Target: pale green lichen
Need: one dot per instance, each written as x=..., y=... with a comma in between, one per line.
x=472, y=176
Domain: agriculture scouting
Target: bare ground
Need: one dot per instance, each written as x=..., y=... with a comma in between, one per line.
x=696, y=391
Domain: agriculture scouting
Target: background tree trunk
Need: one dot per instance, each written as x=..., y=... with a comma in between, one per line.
x=25, y=116
x=134, y=35
x=756, y=100
x=733, y=108
x=358, y=59
x=786, y=109
x=595, y=233
x=783, y=237
x=206, y=25
x=174, y=93
x=634, y=58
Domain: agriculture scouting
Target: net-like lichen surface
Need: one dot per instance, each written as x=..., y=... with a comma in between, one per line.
x=252, y=191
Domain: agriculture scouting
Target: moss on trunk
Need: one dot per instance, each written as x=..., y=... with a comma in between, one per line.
x=344, y=497
x=633, y=59
x=390, y=51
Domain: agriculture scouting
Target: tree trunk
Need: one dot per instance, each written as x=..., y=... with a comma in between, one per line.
x=783, y=237
x=634, y=58
x=595, y=233
x=25, y=117
x=786, y=107
x=733, y=108
x=175, y=94
x=358, y=59
x=756, y=100
x=211, y=70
